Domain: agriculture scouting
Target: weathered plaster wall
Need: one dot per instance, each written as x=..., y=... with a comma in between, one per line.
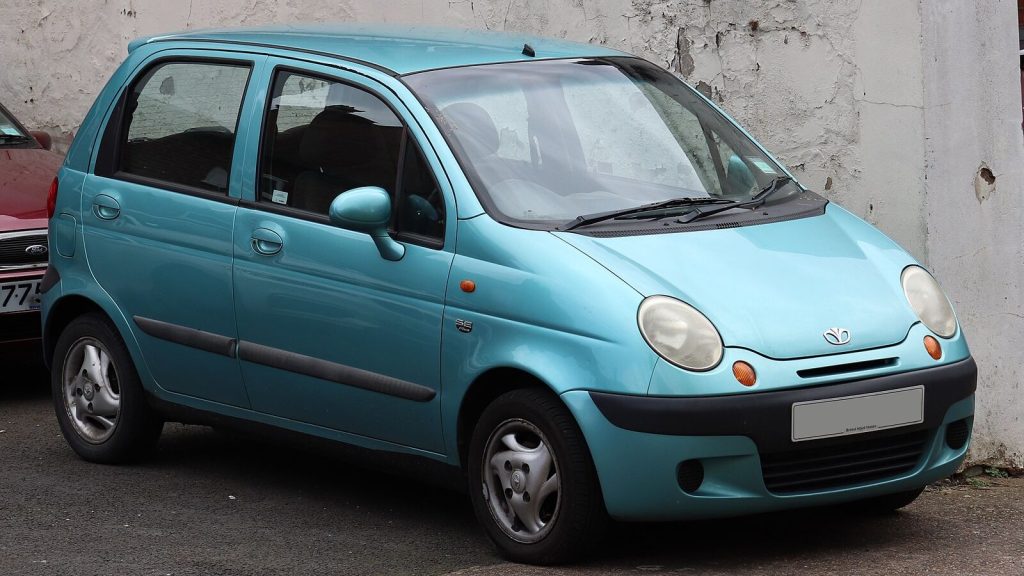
x=815, y=80
x=973, y=122
x=887, y=106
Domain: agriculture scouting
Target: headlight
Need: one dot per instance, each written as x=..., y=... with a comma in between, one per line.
x=928, y=301
x=679, y=333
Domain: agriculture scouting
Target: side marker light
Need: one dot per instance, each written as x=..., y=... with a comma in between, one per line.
x=744, y=373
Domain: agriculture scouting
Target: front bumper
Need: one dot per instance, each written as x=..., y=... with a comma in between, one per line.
x=749, y=463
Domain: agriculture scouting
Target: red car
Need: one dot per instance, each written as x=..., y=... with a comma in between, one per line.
x=27, y=169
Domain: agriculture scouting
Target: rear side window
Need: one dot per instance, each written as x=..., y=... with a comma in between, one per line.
x=179, y=124
x=323, y=138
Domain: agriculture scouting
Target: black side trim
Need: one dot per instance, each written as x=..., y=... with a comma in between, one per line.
x=765, y=417
x=347, y=375
x=50, y=279
x=185, y=336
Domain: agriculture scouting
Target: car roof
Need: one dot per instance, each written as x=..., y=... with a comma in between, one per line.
x=392, y=48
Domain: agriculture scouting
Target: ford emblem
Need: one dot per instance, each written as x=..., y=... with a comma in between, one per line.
x=36, y=250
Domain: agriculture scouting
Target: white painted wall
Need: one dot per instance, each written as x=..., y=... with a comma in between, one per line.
x=889, y=107
x=975, y=235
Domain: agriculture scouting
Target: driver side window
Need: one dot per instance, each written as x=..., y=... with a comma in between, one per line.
x=323, y=137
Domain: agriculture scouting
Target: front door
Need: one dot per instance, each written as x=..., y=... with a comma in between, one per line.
x=158, y=215
x=330, y=333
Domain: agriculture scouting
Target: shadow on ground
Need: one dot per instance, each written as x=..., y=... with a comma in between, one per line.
x=213, y=501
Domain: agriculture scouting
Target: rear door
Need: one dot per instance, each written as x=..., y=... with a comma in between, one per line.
x=158, y=215
x=330, y=333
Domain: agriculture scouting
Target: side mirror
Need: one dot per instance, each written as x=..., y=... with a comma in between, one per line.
x=367, y=210
x=740, y=180
x=44, y=139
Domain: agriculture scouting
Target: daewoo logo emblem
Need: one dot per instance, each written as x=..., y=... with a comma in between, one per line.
x=36, y=250
x=837, y=336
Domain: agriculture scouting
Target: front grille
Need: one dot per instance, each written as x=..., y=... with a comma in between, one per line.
x=13, y=248
x=19, y=326
x=842, y=464
x=837, y=369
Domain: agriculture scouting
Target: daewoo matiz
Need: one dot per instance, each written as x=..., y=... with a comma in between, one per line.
x=552, y=265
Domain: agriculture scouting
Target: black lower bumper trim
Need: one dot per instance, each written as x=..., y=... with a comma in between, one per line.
x=765, y=417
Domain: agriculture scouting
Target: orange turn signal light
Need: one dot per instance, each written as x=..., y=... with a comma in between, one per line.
x=467, y=285
x=744, y=373
x=933, y=347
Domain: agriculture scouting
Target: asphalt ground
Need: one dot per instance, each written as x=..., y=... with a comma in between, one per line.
x=210, y=502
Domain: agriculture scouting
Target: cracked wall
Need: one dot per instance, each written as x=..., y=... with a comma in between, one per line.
x=793, y=72
x=790, y=71
x=850, y=94
x=974, y=172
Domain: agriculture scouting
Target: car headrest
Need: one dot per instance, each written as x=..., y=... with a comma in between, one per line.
x=337, y=138
x=473, y=127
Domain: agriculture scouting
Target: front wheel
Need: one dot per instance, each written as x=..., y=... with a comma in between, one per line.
x=532, y=481
x=97, y=394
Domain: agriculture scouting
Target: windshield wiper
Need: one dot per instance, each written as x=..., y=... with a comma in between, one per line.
x=657, y=209
x=12, y=138
x=758, y=199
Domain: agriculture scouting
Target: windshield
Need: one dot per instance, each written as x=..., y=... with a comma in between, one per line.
x=8, y=127
x=545, y=142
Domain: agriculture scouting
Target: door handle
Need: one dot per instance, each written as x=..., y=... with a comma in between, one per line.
x=266, y=242
x=105, y=207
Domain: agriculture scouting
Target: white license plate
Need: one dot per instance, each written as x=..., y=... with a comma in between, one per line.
x=857, y=414
x=19, y=296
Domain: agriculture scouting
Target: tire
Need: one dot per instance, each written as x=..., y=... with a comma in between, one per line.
x=887, y=504
x=97, y=395
x=569, y=518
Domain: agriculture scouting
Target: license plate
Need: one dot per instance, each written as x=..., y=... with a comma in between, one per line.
x=857, y=414
x=19, y=296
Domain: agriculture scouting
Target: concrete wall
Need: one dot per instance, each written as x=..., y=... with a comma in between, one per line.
x=890, y=107
x=972, y=111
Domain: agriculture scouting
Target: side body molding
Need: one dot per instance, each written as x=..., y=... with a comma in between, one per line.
x=285, y=360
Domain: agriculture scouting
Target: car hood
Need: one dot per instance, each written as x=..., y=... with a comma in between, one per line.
x=773, y=288
x=25, y=177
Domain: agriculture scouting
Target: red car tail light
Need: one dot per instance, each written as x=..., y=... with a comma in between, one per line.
x=51, y=200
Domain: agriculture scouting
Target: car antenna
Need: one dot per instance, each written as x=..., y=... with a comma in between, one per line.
x=528, y=51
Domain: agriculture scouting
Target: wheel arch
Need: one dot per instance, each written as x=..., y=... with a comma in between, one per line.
x=482, y=391
x=60, y=315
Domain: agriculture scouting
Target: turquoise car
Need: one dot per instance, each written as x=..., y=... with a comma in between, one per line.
x=553, y=266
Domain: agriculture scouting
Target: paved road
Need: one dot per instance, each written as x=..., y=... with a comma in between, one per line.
x=215, y=503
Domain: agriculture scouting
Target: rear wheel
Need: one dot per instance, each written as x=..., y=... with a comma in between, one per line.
x=100, y=404
x=532, y=481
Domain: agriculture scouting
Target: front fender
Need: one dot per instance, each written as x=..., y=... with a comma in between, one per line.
x=539, y=306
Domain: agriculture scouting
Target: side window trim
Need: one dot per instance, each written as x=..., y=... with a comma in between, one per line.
x=172, y=187
x=270, y=79
x=396, y=213
x=108, y=158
